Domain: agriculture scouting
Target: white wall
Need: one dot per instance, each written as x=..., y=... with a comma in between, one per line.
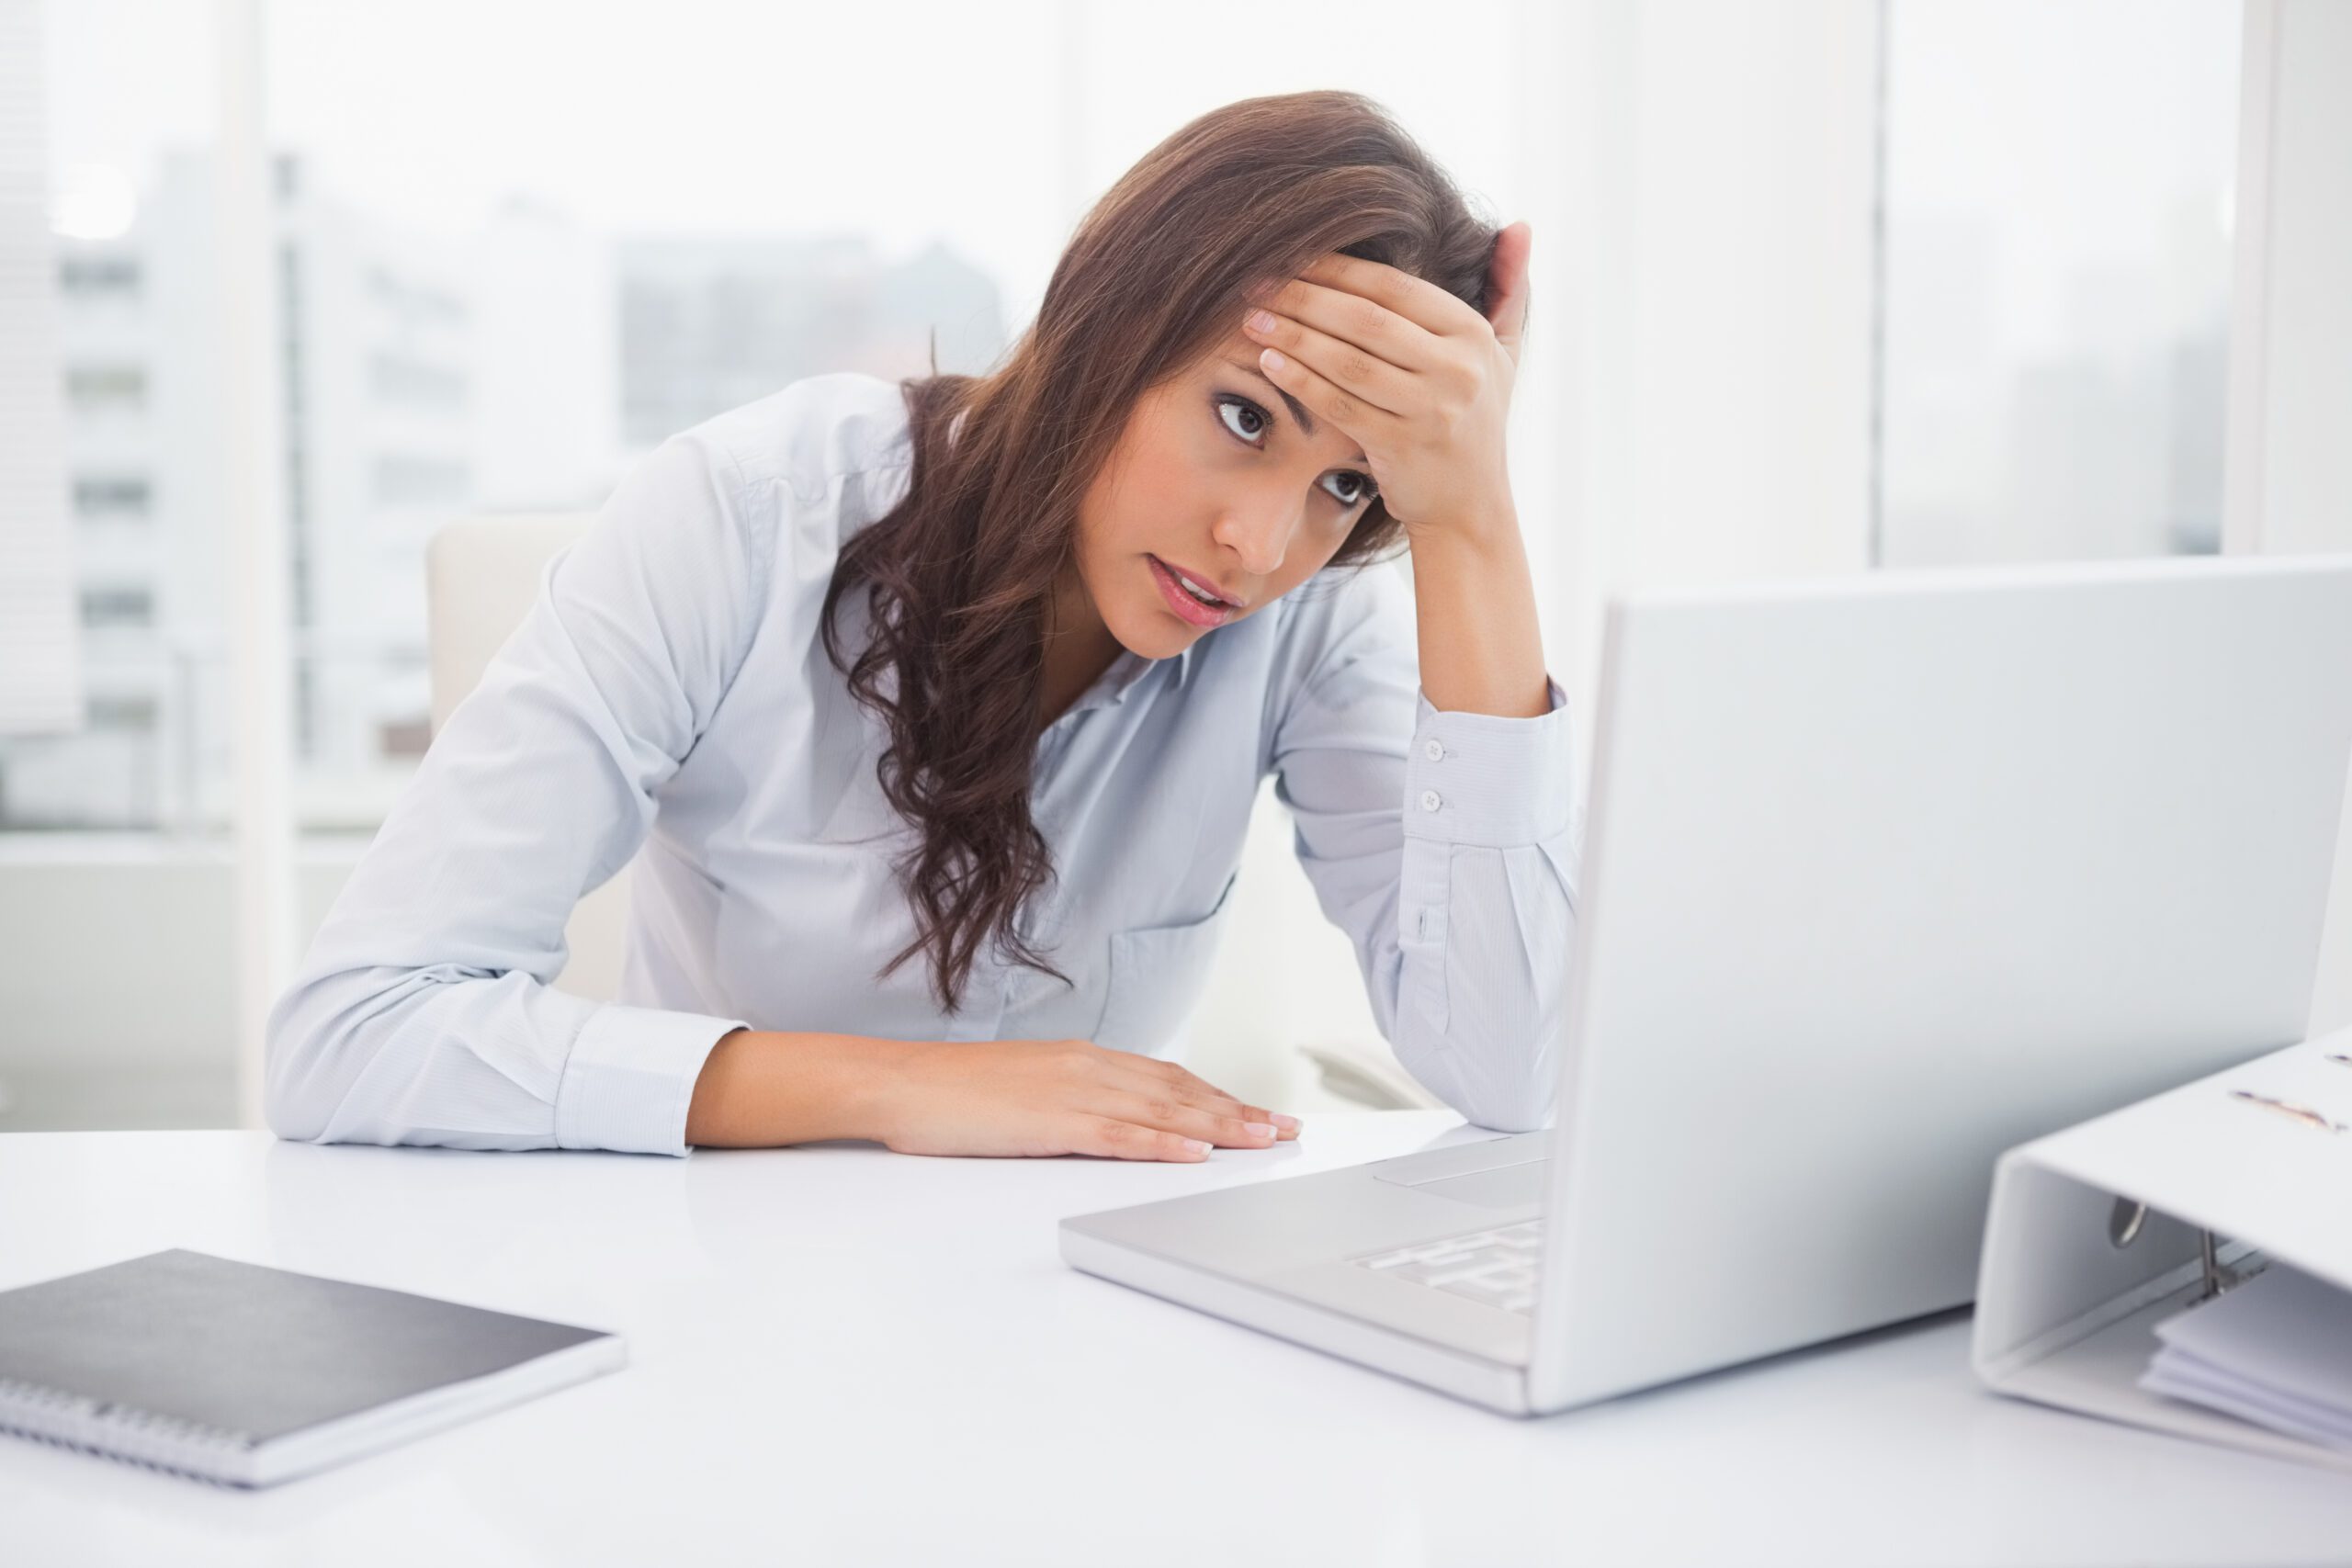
x=118, y=977
x=2290, y=473
x=1725, y=242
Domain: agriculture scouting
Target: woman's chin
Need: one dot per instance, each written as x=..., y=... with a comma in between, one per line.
x=1166, y=637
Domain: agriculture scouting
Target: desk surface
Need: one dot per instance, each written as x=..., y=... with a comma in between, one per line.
x=842, y=1354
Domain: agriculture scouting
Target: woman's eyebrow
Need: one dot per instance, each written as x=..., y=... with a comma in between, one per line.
x=1297, y=410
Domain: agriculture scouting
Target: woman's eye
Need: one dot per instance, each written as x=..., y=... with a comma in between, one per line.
x=1248, y=423
x=1245, y=420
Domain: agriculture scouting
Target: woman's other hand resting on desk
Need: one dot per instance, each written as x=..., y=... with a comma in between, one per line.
x=761, y=1089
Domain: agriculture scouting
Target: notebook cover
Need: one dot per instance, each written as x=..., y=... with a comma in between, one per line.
x=257, y=1352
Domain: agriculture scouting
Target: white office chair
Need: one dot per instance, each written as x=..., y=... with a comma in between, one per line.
x=481, y=574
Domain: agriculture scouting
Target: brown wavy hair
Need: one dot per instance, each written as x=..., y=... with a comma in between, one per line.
x=960, y=576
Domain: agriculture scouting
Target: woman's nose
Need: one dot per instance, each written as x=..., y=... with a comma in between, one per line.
x=1258, y=534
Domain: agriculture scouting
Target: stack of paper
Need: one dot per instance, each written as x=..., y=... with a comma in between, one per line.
x=2276, y=1351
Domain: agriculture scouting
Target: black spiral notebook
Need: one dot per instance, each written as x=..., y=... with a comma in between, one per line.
x=239, y=1373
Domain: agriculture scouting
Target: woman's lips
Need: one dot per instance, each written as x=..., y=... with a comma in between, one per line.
x=1181, y=602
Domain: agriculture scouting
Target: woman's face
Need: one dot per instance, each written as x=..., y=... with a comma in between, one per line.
x=1216, y=477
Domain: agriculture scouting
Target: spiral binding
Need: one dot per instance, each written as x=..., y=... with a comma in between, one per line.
x=144, y=1438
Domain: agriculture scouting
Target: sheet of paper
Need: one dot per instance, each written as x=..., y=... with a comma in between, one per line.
x=2276, y=1351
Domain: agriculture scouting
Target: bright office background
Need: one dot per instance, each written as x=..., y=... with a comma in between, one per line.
x=1822, y=286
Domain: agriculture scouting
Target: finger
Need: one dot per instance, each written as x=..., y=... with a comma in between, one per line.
x=1368, y=377
x=1155, y=1079
x=1366, y=323
x=1218, y=1103
x=1507, y=274
x=1199, y=1090
x=1417, y=300
x=1109, y=1138
x=1226, y=1105
x=1349, y=412
x=1171, y=1114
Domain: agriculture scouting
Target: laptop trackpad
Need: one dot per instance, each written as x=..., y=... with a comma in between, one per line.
x=1508, y=1187
x=1497, y=1173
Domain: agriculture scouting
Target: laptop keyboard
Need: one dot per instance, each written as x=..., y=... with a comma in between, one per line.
x=1496, y=1267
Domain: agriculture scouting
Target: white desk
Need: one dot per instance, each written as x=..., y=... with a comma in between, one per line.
x=844, y=1355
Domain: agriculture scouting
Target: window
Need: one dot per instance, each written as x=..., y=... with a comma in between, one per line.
x=705, y=327
x=2057, y=197
x=415, y=303
x=405, y=737
x=106, y=609
x=111, y=496
x=98, y=389
x=100, y=277
x=398, y=380
x=421, y=481
x=499, y=304
x=134, y=715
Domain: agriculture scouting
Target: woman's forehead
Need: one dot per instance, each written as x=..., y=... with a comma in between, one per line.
x=1236, y=358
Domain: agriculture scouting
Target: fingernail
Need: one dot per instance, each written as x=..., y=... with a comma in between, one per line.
x=1272, y=359
x=1196, y=1145
x=1258, y=1129
x=1287, y=1123
x=1261, y=321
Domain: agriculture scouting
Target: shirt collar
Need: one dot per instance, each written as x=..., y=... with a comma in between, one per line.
x=1113, y=686
x=1142, y=667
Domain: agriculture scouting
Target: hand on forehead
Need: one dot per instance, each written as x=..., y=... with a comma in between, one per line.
x=1371, y=304
x=1421, y=378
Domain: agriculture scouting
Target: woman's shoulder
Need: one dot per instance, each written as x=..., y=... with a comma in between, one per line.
x=767, y=492
x=1342, y=610
x=1342, y=630
x=806, y=439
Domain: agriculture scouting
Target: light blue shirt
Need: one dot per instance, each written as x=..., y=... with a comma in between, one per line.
x=668, y=698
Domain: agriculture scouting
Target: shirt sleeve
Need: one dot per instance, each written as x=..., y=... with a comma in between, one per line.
x=1444, y=844
x=423, y=1012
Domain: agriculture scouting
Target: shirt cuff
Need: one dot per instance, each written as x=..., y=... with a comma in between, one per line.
x=630, y=1077
x=1479, y=778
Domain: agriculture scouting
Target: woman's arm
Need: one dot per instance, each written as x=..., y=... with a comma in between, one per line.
x=1424, y=381
x=995, y=1097
x=1444, y=844
x=424, y=1012
x=1462, y=927
x=1481, y=649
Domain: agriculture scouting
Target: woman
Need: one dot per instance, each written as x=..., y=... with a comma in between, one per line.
x=987, y=671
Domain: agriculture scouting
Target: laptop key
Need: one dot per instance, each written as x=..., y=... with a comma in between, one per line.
x=1496, y=1267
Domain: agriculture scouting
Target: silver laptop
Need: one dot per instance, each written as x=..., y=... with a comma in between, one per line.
x=1880, y=878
